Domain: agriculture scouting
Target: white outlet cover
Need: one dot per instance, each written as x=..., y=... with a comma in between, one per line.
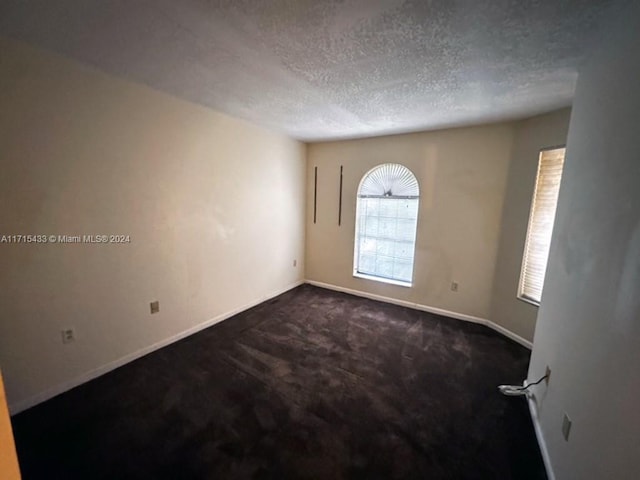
x=68, y=335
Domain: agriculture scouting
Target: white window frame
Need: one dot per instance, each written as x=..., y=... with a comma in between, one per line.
x=404, y=191
x=542, y=214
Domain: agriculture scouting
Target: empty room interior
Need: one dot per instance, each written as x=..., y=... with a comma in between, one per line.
x=377, y=239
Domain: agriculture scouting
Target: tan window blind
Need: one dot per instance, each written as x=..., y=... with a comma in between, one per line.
x=541, y=218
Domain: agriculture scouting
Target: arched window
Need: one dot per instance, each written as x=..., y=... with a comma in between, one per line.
x=386, y=223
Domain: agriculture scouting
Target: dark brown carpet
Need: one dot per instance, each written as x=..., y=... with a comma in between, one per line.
x=312, y=384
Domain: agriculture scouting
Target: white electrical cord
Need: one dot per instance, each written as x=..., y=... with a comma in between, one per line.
x=512, y=390
x=515, y=391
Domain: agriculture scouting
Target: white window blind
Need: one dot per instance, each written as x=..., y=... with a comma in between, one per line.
x=386, y=223
x=541, y=218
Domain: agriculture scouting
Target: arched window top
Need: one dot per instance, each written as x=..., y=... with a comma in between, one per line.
x=389, y=180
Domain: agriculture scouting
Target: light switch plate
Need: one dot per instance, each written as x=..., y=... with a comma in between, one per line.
x=566, y=427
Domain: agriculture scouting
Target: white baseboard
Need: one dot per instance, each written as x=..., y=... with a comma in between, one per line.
x=509, y=334
x=426, y=308
x=19, y=406
x=533, y=410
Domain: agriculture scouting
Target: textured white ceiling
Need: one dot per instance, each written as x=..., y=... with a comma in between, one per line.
x=328, y=69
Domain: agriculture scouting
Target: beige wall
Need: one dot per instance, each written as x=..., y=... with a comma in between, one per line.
x=531, y=136
x=588, y=328
x=462, y=175
x=214, y=208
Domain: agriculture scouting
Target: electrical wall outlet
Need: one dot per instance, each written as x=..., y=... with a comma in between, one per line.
x=68, y=335
x=155, y=306
x=547, y=373
x=454, y=286
x=295, y=262
x=566, y=427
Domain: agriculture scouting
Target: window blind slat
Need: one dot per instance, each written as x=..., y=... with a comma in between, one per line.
x=540, y=228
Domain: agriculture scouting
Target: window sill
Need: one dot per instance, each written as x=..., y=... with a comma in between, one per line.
x=390, y=281
x=535, y=303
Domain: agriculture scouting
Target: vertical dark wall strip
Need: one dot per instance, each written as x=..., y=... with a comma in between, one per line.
x=340, y=200
x=315, y=194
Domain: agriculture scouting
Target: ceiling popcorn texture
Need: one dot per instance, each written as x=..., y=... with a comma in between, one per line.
x=328, y=69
